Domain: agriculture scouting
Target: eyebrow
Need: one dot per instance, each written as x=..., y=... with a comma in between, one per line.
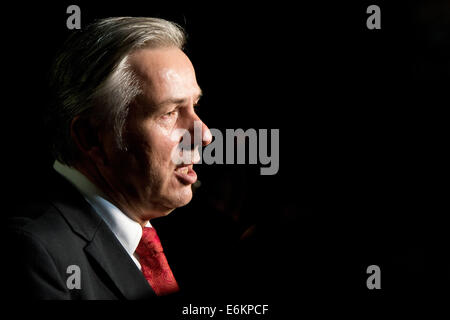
x=178, y=100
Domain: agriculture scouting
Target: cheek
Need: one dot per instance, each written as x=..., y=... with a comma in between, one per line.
x=165, y=140
x=160, y=146
x=164, y=151
x=151, y=144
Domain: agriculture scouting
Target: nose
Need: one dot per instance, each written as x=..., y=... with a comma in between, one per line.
x=200, y=132
x=206, y=135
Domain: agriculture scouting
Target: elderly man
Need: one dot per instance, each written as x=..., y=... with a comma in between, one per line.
x=124, y=91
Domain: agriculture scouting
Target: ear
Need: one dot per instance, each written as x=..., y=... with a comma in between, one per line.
x=88, y=140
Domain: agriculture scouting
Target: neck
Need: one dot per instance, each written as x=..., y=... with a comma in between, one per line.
x=113, y=195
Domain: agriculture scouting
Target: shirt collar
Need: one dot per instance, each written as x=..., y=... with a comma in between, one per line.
x=127, y=231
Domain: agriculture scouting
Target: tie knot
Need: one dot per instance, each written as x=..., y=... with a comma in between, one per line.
x=150, y=243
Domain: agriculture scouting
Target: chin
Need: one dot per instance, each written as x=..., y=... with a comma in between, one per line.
x=185, y=198
x=179, y=200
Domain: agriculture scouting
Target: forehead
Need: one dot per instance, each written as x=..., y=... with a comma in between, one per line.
x=166, y=73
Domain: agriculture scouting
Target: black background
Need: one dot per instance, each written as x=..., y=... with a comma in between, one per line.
x=361, y=119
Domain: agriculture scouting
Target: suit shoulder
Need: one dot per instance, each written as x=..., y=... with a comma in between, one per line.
x=38, y=220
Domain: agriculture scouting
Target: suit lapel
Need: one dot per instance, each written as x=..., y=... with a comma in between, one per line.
x=106, y=250
x=103, y=246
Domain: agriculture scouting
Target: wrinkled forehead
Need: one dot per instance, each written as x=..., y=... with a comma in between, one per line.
x=165, y=73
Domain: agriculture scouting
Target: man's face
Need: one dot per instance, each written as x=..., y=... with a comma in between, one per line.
x=144, y=175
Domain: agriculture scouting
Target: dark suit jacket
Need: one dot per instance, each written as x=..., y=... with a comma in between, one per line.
x=44, y=240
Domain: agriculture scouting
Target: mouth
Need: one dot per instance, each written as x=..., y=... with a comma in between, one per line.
x=186, y=174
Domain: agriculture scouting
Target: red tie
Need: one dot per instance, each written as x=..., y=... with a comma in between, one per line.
x=154, y=263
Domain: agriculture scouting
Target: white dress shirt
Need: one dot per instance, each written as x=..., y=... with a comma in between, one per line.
x=127, y=231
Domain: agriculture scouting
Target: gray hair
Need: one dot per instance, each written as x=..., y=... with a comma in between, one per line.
x=91, y=76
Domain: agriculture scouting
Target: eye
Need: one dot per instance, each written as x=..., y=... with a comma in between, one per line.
x=170, y=114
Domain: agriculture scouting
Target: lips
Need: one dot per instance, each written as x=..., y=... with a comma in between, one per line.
x=186, y=174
